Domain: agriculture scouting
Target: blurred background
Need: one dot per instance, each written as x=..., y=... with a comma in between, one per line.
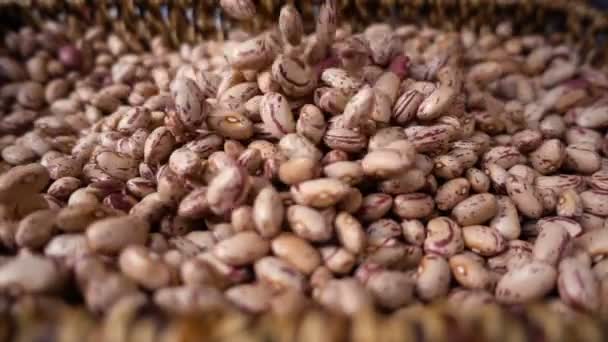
x=601, y=3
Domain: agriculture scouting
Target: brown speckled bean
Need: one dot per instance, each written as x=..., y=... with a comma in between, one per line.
x=498, y=177
x=594, y=202
x=296, y=146
x=525, y=172
x=298, y=170
x=358, y=107
x=406, y=106
x=569, y=204
x=330, y=100
x=443, y=237
x=69, y=247
x=290, y=24
x=382, y=231
x=254, y=298
x=228, y=189
x=319, y=193
x=483, y=240
x=529, y=282
x=36, y=229
x=374, y=206
x=345, y=139
x=591, y=222
x=276, y=114
x=391, y=289
x=550, y=243
x=436, y=103
x=241, y=218
x=385, y=163
x=409, y=181
x=111, y=235
x=158, y=146
x=433, y=278
x=350, y=233
x=241, y=249
x=63, y=187
x=413, y=206
x=524, y=196
x=430, y=138
x=309, y=223
x=476, y=209
x=341, y=79
x=518, y=252
x=230, y=124
x=349, y=172
x=296, y=79
x=506, y=221
x=503, y=156
x=250, y=54
x=344, y=295
x=451, y=193
x=22, y=181
x=413, y=231
x=582, y=158
x=144, y=267
x=268, y=212
x=578, y=285
x=479, y=181
x=385, y=136
x=548, y=157
x=311, y=123
x=31, y=273
x=470, y=272
x=278, y=274
x=595, y=242
x=337, y=259
x=189, y=300
x=297, y=251
x=573, y=228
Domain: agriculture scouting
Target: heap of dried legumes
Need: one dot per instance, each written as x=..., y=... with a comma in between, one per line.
x=391, y=167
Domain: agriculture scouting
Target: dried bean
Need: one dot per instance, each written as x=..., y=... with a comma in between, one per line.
x=476, y=209
x=485, y=241
x=443, y=237
x=433, y=278
x=577, y=285
x=241, y=249
x=111, y=235
x=413, y=206
x=529, y=282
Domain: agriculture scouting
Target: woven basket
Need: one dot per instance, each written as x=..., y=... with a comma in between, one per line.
x=190, y=20
x=46, y=319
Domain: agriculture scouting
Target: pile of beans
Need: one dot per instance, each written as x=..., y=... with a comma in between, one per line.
x=392, y=167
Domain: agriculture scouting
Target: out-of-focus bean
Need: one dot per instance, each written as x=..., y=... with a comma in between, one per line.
x=433, y=278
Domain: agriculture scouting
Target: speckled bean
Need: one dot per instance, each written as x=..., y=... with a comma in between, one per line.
x=483, y=240
x=578, y=286
x=529, y=282
x=433, y=277
x=413, y=206
x=476, y=209
x=241, y=249
x=443, y=237
x=111, y=235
